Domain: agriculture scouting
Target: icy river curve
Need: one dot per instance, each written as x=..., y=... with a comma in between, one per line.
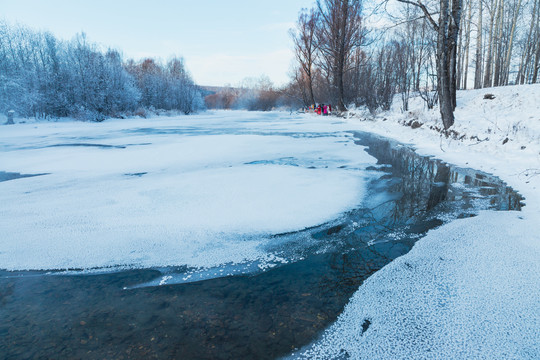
x=226, y=235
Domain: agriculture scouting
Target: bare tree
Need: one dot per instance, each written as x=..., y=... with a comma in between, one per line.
x=499, y=44
x=305, y=48
x=447, y=28
x=466, y=45
x=529, y=46
x=411, y=52
x=492, y=8
x=339, y=34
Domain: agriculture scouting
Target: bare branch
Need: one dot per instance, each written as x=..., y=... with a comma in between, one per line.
x=419, y=4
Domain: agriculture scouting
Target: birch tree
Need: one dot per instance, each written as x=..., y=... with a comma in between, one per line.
x=494, y=5
x=529, y=44
x=447, y=28
x=478, y=52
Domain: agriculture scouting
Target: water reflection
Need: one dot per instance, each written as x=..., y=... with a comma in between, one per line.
x=259, y=315
x=426, y=182
x=415, y=194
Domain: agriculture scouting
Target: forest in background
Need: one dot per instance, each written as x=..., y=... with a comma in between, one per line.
x=341, y=57
x=44, y=77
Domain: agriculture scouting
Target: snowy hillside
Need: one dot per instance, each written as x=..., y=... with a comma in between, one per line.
x=509, y=113
x=470, y=289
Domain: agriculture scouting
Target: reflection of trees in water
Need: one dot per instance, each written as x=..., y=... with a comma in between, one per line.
x=426, y=182
x=423, y=185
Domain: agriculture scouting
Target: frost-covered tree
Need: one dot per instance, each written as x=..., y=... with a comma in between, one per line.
x=166, y=87
x=43, y=77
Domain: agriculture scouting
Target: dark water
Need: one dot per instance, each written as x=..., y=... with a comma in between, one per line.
x=6, y=176
x=261, y=315
x=101, y=146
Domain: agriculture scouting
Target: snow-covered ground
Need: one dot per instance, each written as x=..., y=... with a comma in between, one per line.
x=470, y=289
x=198, y=191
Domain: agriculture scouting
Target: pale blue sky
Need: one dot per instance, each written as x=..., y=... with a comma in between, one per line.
x=221, y=41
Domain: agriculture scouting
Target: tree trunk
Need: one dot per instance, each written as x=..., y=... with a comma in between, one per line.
x=498, y=57
x=446, y=62
x=489, y=65
x=536, y=63
x=537, y=45
x=340, y=88
x=310, y=89
x=478, y=69
x=460, y=51
x=467, y=45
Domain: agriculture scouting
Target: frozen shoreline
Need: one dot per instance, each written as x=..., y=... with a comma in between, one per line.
x=470, y=289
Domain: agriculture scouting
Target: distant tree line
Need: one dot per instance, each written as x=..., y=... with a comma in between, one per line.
x=431, y=49
x=253, y=94
x=43, y=77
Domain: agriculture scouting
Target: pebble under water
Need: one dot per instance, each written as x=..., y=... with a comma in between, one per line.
x=254, y=315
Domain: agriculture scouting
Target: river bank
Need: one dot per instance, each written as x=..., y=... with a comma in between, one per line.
x=469, y=289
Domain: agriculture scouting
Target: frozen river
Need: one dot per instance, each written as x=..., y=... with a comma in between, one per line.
x=226, y=235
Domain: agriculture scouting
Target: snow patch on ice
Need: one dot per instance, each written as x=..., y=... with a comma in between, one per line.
x=205, y=199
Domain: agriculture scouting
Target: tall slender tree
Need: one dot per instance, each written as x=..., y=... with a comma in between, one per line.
x=466, y=45
x=478, y=51
x=529, y=45
x=489, y=56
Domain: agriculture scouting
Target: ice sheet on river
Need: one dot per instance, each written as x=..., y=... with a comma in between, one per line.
x=196, y=191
